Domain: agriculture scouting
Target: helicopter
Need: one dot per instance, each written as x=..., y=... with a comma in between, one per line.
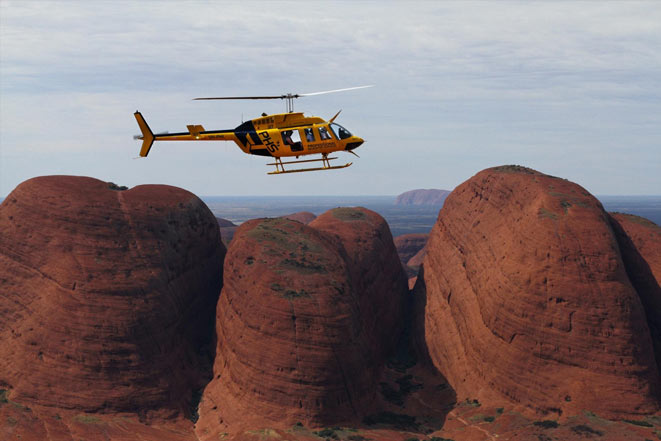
x=282, y=135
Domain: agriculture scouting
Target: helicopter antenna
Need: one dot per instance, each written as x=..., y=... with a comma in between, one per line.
x=289, y=96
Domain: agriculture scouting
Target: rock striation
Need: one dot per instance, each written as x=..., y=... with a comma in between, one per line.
x=524, y=299
x=107, y=297
x=422, y=197
x=302, y=322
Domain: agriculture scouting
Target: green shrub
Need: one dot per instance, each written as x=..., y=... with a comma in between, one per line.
x=582, y=429
x=327, y=433
x=546, y=424
x=398, y=420
x=639, y=423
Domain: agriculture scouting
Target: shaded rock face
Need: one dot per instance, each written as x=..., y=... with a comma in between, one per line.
x=107, y=297
x=304, y=217
x=422, y=197
x=297, y=340
x=640, y=243
x=523, y=299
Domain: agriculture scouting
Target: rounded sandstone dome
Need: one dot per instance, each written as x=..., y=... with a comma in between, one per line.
x=524, y=300
x=107, y=294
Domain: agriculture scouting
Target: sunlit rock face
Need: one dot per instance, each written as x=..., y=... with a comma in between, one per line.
x=524, y=300
x=298, y=319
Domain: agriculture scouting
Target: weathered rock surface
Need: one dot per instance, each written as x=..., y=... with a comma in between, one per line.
x=640, y=244
x=524, y=300
x=107, y=297
x=297, y=319
x=422, y=197
x=304, y=217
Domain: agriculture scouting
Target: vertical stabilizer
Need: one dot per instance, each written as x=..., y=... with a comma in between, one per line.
x=147, y=135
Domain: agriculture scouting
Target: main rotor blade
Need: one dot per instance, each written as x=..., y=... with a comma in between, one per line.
x=333, y=91
x=279, y=97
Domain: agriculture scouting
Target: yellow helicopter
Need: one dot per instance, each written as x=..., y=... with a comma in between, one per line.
x=279, y=135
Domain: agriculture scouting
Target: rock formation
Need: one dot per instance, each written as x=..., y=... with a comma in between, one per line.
x=227, y=229
x=302, y=320
x=422, y=197
x=524, y=299
x=408, y=245
x=304, y=217
x=639, y=241
x=106, y=296
x=222, y=223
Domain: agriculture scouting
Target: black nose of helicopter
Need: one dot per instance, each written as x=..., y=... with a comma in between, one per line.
x=355, y=142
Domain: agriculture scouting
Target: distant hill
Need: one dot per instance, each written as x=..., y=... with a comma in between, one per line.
x=431, y=196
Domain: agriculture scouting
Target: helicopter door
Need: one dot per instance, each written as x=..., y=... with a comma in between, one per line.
x=293, y=139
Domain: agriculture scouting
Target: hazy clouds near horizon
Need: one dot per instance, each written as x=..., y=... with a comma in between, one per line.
x=572, y=89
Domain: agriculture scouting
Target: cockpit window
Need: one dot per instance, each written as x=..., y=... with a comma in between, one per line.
x=323, y=133
x=340, y=132
x=309, y=135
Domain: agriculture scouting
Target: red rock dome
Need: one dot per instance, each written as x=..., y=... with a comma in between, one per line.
x=523, y=299
x=297, y=340
x=107, y=296
x=304, y=217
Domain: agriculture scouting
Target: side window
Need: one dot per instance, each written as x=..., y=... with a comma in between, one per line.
x=309, y=135
x=323, y=133
x=292, y=138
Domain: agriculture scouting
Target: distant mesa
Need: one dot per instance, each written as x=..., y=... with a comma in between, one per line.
x=107, y=295
x=525, y=300
x=223, y=223
x=423, y=197
x=227, y=229
x=304, y=322
x=304, y=217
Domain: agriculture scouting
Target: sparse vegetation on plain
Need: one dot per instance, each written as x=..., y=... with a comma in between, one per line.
x=327, y=433
x=546, y=424
x=3, y=396
x=87, y=419
x=347, y=214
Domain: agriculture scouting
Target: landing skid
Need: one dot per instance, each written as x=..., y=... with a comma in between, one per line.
x=280, y=166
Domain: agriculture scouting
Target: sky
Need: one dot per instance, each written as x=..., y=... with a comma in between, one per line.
x=571, y=89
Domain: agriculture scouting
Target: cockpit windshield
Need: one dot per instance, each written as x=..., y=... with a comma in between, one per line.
x=339, y=131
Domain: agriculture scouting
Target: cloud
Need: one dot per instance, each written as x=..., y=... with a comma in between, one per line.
x=460, y=85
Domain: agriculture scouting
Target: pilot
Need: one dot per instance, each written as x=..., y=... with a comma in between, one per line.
x=287, y=137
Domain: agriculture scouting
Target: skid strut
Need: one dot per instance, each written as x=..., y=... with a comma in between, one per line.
x=280, y=165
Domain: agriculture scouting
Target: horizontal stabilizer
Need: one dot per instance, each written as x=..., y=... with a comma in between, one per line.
x=195, y=130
